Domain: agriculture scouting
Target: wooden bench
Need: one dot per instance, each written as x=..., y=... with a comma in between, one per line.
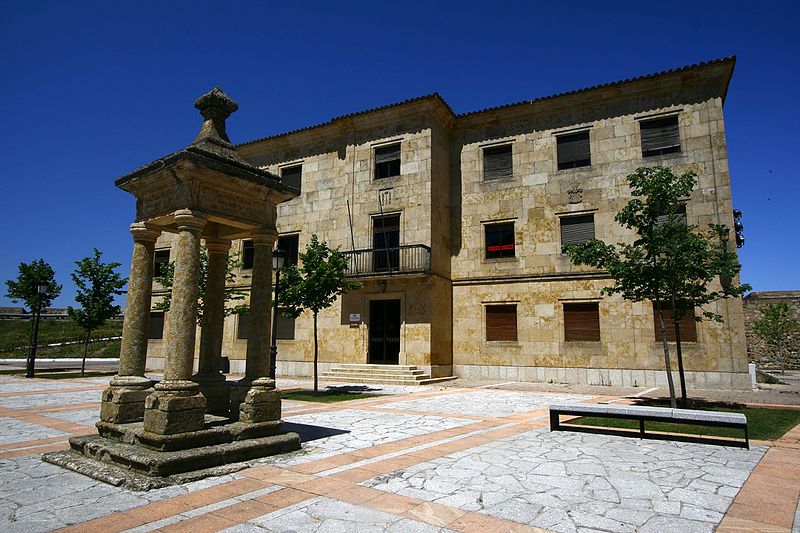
x=656, y=414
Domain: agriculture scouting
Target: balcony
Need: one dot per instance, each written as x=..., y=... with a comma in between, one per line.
x=409, y=259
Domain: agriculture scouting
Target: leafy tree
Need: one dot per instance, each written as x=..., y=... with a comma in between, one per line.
x=25, y=289
x=776, y=326
x=670, y=262
x=315, y=285
x=97, y=285
x=232, y=293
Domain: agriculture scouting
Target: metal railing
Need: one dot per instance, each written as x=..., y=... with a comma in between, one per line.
x=397, y=260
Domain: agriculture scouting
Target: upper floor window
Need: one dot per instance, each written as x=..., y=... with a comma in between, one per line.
x=497, y=163
x=156, y=325
x=660, y=136
x=247, y=254
x=573, y=150
x=292, y=176
x=582, y=322
x=284, y=330
x=687, y=324
x=386, y=242
x=499, y=240
x=160, y=262
x=577, y=229
x=243, y=329
x=678, y=216
x=387, y=161
x=289, y=244
x=501, y=322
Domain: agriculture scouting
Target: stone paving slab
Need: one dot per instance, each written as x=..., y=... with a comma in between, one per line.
x=571, y=481
x=29, y=386
x=84, y=417
x=48, y=400
x=487, y=403
x=13, y=430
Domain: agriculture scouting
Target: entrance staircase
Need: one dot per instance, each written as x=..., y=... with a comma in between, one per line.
x=382, y=374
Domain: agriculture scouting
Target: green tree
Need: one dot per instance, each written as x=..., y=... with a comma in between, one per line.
x=776, y=326
x=36, y=287
x=670, y=262
x=97, y=285
x=315, y=285
x=232, y=293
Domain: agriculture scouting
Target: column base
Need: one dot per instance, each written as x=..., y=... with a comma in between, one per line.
x=174, y=407
x=217, y=392
x=262, y=402
x=123, y=401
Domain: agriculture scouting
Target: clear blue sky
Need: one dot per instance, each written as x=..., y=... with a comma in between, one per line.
x=92, y=90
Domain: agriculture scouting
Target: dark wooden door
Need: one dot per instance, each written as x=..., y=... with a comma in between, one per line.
x=384, y=332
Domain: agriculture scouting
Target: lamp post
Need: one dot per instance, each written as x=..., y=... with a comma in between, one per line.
x=37, y=313
x=278, y=259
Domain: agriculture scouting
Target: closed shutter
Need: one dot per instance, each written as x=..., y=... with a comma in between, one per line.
x=244, y=326
x=285, y=328
x=660, y=136
x=497, y=163
x=582, y=322
x=576, y=230
x=501, y=322
x=679, y=216
x=573, y=150
x=687, y=324
x=292, y=176
x=156, y=325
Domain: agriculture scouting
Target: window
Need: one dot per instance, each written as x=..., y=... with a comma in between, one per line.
x=243, y=331
x=499, y=240
x=680, y=216
x=387, y=161
x=291, y=176
x=687, y=324
x=573, y=150
x=497, y=164
x=576, y=230
x=660, y=136
x=247, y=254
x=289, y=244
x=285, y=328
x=582, y=322
x=386, y=243
x=501, y=322
x=161, y=262
x=156, y=325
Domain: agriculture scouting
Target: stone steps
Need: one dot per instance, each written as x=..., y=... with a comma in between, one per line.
x=381, y=374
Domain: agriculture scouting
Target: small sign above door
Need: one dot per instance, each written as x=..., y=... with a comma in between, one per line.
x=355, y=319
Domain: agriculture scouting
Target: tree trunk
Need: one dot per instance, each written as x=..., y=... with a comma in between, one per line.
x=85, y=349
x=667, y=364
x=782, y=355
x=684, y=399
x=316, y=354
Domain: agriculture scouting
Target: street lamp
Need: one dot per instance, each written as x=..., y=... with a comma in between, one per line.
x=37, y=313
x=278, y=259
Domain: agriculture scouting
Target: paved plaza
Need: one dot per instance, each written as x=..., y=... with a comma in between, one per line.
x=411, y=459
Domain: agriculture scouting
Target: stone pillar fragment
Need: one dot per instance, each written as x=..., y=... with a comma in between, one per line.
x=177, y=406
x=123, y=401
x=256, y=388
x=212, y=382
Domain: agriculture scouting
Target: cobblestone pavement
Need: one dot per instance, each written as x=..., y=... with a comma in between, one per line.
x=411, y=459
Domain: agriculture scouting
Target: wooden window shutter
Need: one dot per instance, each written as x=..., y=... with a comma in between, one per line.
x=687, y=324
x=582, y=322
x=292, y=176
x=386, y=154
x=660, y=136
x=501, y=322
x=387, y=161
x=576, y=230
x=573, y=150
x=497, y=163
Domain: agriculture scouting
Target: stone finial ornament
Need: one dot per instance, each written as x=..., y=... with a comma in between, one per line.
x=215, y=106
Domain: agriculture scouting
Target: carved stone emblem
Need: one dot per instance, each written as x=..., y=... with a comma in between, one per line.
x=575, y=193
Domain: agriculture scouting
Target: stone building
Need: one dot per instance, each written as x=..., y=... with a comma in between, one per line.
x=760, y=353
x=455, y=224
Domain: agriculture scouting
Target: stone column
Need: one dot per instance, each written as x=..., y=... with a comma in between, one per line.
x=212, y=382
x=123, y=400
x=177, y=406
x=260, y=401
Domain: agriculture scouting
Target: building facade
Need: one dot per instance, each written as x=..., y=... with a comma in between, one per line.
x=455, y=225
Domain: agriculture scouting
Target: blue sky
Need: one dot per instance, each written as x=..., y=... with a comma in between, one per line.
x=92, y=90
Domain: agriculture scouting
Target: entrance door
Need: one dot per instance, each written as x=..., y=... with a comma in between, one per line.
x=384, y=332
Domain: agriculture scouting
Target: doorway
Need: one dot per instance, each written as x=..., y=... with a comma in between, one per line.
x=384, y=332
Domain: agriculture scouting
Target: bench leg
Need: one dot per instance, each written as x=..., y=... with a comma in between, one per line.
x=641, y=427
x=746, y=438
x=554, y=421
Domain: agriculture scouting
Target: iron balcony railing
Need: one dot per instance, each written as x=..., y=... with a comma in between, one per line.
x=398, y=260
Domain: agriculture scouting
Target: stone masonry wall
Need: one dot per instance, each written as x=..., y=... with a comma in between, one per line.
x=758, y=352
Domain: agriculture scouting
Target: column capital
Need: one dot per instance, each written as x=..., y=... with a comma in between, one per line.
x=187, y=219
x=266, y=236
x=216, y=245
x=144, y=232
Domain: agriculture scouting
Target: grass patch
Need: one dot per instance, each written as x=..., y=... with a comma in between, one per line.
x=325, y=396
x=15, y=337
x=762, y=424
x=73, y=374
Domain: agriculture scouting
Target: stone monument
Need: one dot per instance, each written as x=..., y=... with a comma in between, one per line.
x=189, y=426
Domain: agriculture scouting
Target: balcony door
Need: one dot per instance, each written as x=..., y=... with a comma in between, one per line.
x=384, y=332
x=385, y=243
